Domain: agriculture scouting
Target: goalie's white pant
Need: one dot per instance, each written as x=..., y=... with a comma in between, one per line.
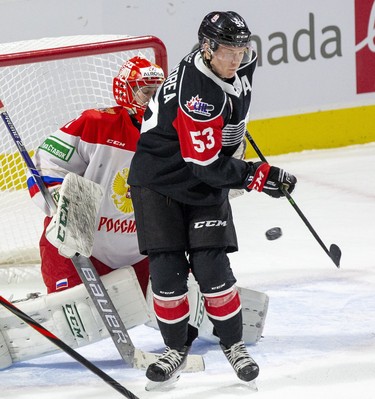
x=72, y=316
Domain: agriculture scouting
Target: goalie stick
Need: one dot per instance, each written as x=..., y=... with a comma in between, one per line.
x=334, y=251
x=90, y=278
x=67, y=349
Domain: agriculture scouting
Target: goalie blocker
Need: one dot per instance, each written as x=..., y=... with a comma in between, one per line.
x=72, y=227
x=72, y=316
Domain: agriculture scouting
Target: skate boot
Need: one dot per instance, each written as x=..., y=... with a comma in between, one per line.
x=167, y=368
x=244, y=366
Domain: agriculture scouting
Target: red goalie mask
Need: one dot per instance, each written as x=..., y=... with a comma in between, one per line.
x=136, y=82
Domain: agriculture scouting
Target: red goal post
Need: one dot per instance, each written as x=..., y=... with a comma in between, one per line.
x=45, y=83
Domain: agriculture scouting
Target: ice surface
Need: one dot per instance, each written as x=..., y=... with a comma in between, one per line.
x=319, y=337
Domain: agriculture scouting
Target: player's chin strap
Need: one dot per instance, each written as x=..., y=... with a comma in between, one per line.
x=84, y=266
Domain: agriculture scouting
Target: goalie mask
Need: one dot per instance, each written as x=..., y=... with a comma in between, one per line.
x=136, y=82
x=226, y=28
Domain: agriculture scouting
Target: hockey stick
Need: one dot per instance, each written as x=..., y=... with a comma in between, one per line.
x=67, y=349
x=90, y=278
x=334, y=251
x=83, y=265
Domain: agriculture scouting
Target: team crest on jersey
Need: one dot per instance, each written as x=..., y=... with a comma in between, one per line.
x=198, y=106
x=121, y=192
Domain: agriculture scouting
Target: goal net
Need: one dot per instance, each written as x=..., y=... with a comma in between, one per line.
x=44, y=84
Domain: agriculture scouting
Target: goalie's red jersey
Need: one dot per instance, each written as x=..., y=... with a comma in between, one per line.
x=98, y=145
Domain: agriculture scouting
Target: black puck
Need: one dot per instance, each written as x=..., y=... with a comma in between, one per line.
x=274, y=233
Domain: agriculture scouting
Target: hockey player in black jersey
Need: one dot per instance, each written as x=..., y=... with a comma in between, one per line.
x=180, y=176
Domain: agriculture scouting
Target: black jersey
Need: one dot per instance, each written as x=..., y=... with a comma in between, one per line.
x=191, y=129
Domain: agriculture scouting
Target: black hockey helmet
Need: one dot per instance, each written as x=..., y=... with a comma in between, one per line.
x=224, y=27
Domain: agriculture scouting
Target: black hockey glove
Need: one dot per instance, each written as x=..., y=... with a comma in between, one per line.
x=269, y=179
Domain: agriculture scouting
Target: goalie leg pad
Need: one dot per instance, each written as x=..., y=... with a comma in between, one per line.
x=5, y=357
x=70, y=315
x=254, y=312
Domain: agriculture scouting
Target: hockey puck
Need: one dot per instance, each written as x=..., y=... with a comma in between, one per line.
x=274, y=233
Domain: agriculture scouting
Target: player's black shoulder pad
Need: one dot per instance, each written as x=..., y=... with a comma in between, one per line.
x=199, y=96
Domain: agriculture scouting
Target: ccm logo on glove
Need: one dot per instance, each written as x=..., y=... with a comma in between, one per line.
x=269, y=179
x=258, y=180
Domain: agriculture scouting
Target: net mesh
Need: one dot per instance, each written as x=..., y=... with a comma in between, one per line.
x=40, y=97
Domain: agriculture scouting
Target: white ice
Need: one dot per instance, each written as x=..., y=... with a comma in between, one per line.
x=319, y=337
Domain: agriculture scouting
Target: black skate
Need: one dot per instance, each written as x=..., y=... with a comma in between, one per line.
x=244, y=366
x=167, y=369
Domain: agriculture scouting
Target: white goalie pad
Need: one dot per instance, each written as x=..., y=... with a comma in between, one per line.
x=239, y=154
x=71, y=316
x=254, y=312
x=5, y=357
x=72, y=228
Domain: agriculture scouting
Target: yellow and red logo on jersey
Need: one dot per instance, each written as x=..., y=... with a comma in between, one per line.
x=121, y=192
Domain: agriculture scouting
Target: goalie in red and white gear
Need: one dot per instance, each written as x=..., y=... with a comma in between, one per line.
x=99, y=146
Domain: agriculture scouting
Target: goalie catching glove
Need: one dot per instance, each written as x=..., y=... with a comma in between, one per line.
x=269, y=179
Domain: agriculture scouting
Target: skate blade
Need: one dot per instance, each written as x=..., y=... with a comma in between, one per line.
x=162, y=386
x=252, y=386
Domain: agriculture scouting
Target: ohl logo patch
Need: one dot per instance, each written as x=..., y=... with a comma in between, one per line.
x=365, y=45
x=121, y=192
